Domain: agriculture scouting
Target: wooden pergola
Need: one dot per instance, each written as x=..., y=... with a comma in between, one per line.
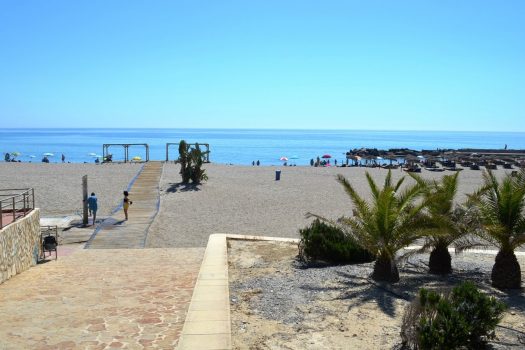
x=206, y=154
x=105, y=150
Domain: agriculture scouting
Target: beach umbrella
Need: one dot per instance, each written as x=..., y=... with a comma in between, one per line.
x=284, y=159
x=47, y=154
x=136, y=158
x=326, y=156
x=92, y=154
x=15, y=154
x=32, y=156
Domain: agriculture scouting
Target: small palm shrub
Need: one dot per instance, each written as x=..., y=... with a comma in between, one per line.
x=502, y=209
x=190, y=160
x=197, y=173
x=447, y=223
x=391, y=221
x=464, y=317
x=321, y=241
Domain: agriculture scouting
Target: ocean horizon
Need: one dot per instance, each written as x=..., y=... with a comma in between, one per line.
x=239, y=146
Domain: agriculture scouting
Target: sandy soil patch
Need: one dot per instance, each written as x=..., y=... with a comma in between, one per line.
x=58, y=187
x=248, y=200
x=277, y=303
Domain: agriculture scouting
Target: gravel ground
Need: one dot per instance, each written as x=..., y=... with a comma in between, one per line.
x=248, y=200
x=58, y=187
x=277, y=301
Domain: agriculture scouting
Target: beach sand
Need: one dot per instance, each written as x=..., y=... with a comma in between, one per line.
x=58, y=187
x=248, y=200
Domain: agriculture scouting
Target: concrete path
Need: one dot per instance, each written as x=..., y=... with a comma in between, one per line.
x=117, y=233
x=100, y=299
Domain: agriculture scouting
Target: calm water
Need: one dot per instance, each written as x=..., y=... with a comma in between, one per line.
x=238, y=146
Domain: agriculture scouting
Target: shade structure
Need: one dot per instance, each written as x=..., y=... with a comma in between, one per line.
x=326, y=156
x=284, y=159
x=48, y=154
x=294, y=157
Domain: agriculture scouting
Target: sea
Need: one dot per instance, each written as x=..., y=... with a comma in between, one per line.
x=238, y=146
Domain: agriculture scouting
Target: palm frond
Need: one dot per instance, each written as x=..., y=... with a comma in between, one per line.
x=517, y=241
x=399, y=183
x=467, y=242
x=372, y=185
x=309, y=215
x=360, y=204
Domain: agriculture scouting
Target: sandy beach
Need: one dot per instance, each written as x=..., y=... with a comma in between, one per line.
x=236, y=199
x=58, y=187
x=248, y=200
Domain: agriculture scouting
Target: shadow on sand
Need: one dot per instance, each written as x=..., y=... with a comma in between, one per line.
x=182, y=187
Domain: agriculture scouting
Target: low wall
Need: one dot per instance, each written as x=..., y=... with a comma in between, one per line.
x=19, y=245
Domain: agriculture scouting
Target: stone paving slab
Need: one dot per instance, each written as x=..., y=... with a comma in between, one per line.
x=100, y=299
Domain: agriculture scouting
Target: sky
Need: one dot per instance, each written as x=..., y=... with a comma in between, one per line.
x=292, y=64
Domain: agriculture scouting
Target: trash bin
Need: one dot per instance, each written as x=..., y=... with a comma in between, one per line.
x=277, y=175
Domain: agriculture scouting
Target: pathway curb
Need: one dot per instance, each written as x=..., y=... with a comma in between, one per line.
x=208, y=325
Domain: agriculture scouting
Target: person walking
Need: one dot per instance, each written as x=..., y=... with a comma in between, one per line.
x=93, y=206
x=63, y=158
x=126, y=203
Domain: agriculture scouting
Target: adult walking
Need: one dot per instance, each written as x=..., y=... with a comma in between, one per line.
x=93, y=206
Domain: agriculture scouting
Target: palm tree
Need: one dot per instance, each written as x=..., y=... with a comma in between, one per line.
x=389, y=223
x=501, y=205
x=447, y=223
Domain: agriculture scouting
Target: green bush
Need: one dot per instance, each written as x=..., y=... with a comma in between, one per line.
x=323, y=242
x=463, y=318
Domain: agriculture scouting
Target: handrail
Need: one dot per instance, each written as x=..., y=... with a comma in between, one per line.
x=17, y=204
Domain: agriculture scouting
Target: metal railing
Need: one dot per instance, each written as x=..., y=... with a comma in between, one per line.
x=15, y=204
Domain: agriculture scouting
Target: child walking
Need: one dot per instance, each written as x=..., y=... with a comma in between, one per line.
x=127, y=202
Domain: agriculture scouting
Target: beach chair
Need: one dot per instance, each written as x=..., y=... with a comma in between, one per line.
x=49, y=241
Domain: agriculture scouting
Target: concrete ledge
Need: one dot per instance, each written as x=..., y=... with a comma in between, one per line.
x=208, y=325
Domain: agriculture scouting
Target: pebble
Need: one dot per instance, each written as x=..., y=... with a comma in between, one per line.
x=293, y=297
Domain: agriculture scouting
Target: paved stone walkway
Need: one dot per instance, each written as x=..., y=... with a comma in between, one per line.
x=100, y=299
x=115, y=232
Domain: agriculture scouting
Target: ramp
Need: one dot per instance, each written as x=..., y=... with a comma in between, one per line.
x=117, y=233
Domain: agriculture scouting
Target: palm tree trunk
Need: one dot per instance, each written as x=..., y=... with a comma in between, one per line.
x=385, y=269
x=440, y=262
x=506, y=272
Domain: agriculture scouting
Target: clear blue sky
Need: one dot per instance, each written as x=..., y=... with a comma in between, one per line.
x=417, y=65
